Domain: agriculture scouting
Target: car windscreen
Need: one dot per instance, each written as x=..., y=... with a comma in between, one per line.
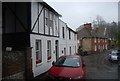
x=72, y=62
x=114, y=52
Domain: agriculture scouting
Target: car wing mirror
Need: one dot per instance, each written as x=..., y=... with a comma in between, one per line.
x=53, y=62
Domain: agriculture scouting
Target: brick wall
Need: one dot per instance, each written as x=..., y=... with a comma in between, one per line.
x=13, y=63
x=17, y=65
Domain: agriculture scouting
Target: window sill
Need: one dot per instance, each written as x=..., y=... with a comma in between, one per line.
x=49, y=60
x=39, y=64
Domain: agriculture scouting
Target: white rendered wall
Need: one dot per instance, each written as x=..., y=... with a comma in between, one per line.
x=45, y=65
x=65, y=42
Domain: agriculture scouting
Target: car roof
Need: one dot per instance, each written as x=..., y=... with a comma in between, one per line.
x=71, y=56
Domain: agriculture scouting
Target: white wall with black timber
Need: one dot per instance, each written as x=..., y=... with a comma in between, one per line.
x=36, y=9
x=43, y=32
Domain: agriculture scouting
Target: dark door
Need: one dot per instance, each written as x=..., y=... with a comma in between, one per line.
x=57, y=49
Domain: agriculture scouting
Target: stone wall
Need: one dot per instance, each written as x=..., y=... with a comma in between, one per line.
x=13, y=64
x=17, y=65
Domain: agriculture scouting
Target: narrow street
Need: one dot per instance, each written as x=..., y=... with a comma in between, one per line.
x=99, y=67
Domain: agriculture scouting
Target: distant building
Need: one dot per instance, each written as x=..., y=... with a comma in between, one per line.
x=80, y=27
x=92, y=40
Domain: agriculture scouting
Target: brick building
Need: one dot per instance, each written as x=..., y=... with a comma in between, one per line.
x=92, y=40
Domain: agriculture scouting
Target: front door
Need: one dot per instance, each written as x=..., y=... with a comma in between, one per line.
x=57, y=49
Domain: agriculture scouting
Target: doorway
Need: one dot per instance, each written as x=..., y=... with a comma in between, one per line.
x=57, y=49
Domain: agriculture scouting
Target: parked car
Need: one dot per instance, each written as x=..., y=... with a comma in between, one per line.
x=83, y=53
x=114, y=55
x=68, y=67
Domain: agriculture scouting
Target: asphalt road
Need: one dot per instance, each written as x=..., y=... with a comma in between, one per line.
x=99, y=67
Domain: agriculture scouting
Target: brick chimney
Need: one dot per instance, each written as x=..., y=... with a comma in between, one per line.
x=88, y=25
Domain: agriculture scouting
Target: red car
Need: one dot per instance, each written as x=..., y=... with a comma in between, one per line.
x=68, y=67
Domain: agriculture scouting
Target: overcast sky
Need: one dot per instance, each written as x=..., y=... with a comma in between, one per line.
x=78, y=13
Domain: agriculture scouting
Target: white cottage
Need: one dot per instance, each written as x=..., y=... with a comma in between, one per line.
x=68, y=39
x=37, y=25
x=44, y=37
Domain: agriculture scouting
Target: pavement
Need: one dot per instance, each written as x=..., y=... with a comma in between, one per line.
x=41, y=77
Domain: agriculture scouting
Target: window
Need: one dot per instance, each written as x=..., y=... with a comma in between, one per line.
x=99, y=46
x=63, y=33
x=95, y=48
x=70, y=51
x=105, y=40
x=51, y=20
x=103, y=47
x=46, y=17
x=106, y=47
x=69, y=35
x=48, y=50
x=75, y=37
x=75, y=49
x=98, y=40
x=51, y=23
x=95, y=40
x=38, y=51
x=64, y=51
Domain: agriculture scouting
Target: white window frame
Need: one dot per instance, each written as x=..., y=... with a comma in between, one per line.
x=95, y=40
x=98, y=40
x=95, y=48
x=106, y=46
x=38, y=51
x=51, y=19
x=49, y=51
x=46, y=17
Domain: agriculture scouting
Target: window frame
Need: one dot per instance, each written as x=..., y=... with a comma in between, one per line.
x=46, y=17
x=38, y=49
x=63, y=32
x=49, y=51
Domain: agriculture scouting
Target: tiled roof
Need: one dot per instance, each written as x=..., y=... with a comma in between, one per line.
x=88, y=33
x=85, y=32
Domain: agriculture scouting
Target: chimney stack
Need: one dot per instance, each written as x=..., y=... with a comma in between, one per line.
x=88, y=25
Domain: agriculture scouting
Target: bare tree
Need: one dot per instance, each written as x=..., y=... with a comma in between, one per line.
x=110, y=28
x=99, y=22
